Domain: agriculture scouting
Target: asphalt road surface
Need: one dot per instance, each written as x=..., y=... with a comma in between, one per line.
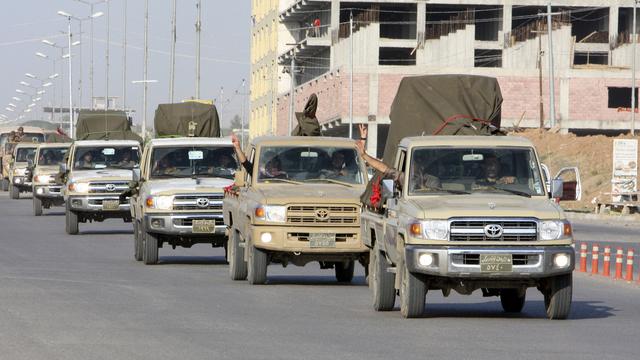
x=85, y=297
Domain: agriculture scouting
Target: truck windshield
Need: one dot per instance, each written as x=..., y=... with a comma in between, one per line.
x=310, y=165
x=475, y=170
x=189, y=161
x=25, y=154
x=51, y=156
x=101, y=157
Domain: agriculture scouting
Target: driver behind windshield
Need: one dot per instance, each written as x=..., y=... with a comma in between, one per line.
x=86, y=162
x=492, y=173
x=165, y=167
x=125, y=160
x=273, y=169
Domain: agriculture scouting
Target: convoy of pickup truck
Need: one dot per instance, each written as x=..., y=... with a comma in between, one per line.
x=453, y=210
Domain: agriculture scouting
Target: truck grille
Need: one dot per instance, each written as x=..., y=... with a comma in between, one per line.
x=474, y=259
x=189, y=221
x=108, y=187
x=329, y=214
x=198, y=202
x=512, y=230
x=300, y=236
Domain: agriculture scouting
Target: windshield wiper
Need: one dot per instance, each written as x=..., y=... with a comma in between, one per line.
x=514, y=192
x=168, y=176
x=281, y=180
x=448, y=191
x=333, y=181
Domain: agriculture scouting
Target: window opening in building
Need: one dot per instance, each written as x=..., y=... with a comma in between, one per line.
x=398, y=21
x=396, y=56
x=590, y=58
x=590, y=26
x=620, y=97
x=487, y=58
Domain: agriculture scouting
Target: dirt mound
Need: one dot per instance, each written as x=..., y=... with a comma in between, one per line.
x=593, y=155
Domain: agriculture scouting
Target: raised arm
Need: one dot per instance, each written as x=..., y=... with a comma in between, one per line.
x=370, y=160
x=236, y=146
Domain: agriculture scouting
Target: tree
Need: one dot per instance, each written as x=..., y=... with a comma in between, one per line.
x=236, y=122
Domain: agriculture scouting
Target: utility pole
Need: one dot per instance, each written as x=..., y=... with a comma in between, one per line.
x=106, y=94
x=173, y=51
x=292, y=72
x=541, y=109
x=146, y=60
x=198, y=29
x=351, y=76
x=552, y=107
x=71, y=133
x=242, y=113
x=124, y=56
x=91, y=54
x=633, y=71
x=80, y=66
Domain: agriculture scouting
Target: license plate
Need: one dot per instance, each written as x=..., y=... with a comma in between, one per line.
x=322, y=240
x=495, y=262
x=110, y=205
x=203, y=226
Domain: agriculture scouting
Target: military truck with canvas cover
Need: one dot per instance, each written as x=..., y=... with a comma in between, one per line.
x=177, y=196
x=98, y=169
x=7, y=145
x=298, y=204
x=47, y=190
x=462, y=212
x=19, y=178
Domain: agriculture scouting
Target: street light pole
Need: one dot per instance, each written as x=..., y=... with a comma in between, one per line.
x=124, y=56
x=552, y=108
x=292, y=71
x=71, y=127
x=106, y=93
x=351, y=76
x=198, y=30
x=173, y=51
x=633, y=71
x=146, y=60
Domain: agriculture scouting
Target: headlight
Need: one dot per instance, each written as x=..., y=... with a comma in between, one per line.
x=79, y=187
x=430, y=229
x=19, y=172
x=554, y=229
x=42, y=179
x=272, y=213
x=160, y=202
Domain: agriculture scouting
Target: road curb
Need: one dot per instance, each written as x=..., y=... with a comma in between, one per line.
x=617, y=218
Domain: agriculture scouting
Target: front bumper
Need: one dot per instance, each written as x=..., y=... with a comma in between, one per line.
x=93, y=203
x=528, y=262
x=288, y=238
x=180, y=224
x=21, y=182
x=47, y=191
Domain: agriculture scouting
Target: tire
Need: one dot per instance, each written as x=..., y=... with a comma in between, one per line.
x=37, y=206
x=381, y=282
x=71, y=222
x=344, y=271
x=5, y=185
x=512, y=300
x=235, y=257
x=14, y=193
x=257, y=266
x=150, y=247
x=557, y=297
x=412, y=294
x=137, y=241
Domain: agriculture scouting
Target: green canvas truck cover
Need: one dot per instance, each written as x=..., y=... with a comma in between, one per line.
x=104, y=125
x=308, y=124
x=438, y=105
x=189, y=118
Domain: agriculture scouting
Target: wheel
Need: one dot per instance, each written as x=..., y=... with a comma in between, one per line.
x=37, y=206
x=137, y=241
x=381, y=282
x=257, y=267
x=625, y=210
x=557, y=296
x=412, y=294
x=14, y=193
x=512, y=300
x=344, y=271
x=235, y=256
x=150, y=247
x=71, y=222
x=5, y=185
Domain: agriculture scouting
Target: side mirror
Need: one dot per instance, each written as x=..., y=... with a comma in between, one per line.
x=135, y=176
x=63, y=168
x=556, y=188
x=239, y=177
x=388, y=188
x=30, y=164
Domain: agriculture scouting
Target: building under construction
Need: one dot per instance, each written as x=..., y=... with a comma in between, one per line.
x=353, y=54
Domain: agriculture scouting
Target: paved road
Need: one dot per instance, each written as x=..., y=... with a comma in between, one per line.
x=84, y=297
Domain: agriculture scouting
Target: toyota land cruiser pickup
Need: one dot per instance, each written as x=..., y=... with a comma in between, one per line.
x=96, y=173
x=298, y=204
x=19, y=180
x=177, y=194
x=46, y=164
x=484, y=220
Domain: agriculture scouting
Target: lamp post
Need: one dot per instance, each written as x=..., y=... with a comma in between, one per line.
x=91, y=5
x=633, y=71
x=69, y=17
x=198, y=31
x=53, y=77
x=145, y=82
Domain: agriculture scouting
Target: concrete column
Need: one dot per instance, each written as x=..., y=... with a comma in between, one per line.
x=333, y=31
x=372, y=139
x=507, y=16
x=614, y=12
x=420, y=24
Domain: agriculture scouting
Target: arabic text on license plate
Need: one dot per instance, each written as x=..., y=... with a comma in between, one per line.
x=319, y=240
x=203, y=226
x=495, y=262
x=111, y=205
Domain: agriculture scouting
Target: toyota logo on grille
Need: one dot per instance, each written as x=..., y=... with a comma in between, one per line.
x=322, y=214
x=110, y=187
x=493, y=230
x=202, y=202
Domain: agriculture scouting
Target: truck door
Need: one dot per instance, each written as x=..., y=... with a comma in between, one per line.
x=571, y=185
x=391, y=225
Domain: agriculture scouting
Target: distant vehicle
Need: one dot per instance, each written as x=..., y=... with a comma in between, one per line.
x=19, y=179
x=44, y=172
x=31, y=135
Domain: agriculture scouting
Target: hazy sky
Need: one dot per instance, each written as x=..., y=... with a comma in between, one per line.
x=224, y=50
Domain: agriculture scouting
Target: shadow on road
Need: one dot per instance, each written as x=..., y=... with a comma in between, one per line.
x=312, y=280
x=106, y=232
x=192, y=260
x=534, y=309
x=52, y=213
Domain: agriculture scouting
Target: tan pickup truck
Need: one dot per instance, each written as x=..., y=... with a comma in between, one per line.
x=46, y=165
x=298, y=204
x=19, y=179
